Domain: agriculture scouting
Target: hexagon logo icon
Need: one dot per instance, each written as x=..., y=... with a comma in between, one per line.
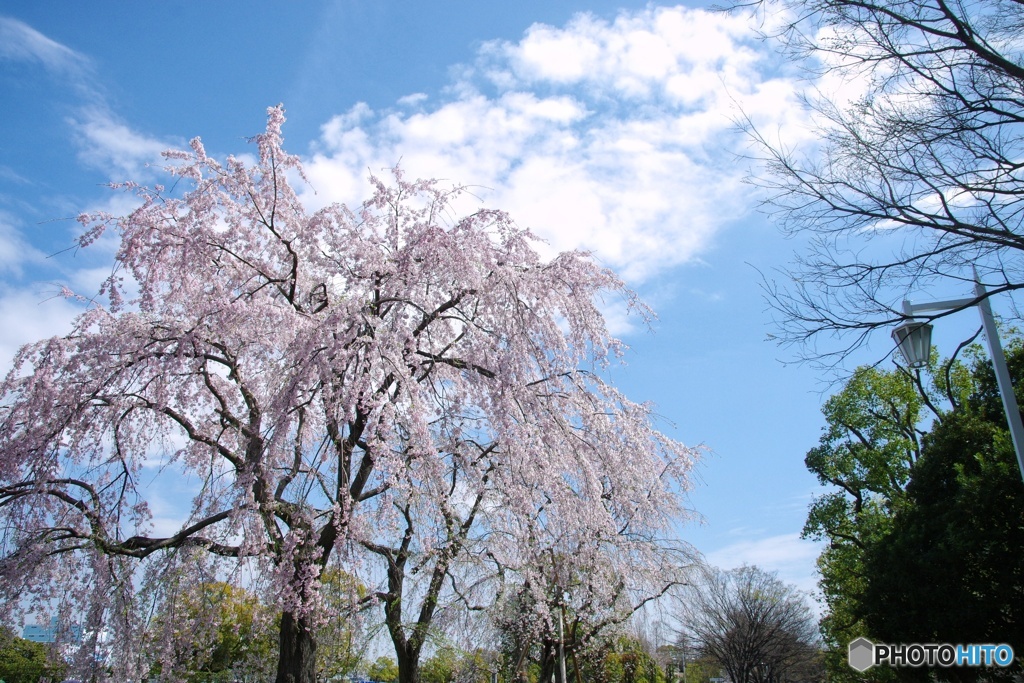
x=862, y=654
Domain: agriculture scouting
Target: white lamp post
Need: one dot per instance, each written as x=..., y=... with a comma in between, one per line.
x=914, y=341
x=561, y=635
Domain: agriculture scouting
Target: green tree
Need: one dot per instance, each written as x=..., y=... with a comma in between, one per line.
x=384, y=670
x=623, y=660
x=866, y=453
x=339, y=640
x=959, y=537
x=215, y=631
x=476, y=666
x=441, y=667
x=242, y=636
x=25, y=661
x=918, y=513
x=700, y=670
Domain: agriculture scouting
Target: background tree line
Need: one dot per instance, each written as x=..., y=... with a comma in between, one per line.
x=751, y=626
x=743, y=624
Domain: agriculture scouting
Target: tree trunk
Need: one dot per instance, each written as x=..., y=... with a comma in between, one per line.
x=408, y=664
x=548, y=662
x=297, y=660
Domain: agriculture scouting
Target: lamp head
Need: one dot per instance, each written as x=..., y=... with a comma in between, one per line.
x=914, y=340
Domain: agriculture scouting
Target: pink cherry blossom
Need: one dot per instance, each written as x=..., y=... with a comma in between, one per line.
x=394, y=386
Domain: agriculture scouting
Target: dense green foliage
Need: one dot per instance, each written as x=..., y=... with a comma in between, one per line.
x=222, y=632
x=865, y=455
x=229, y=634
x=950, y=570
x=924, y=526
x=339, y=640
x=441, y=667
x=620, y=659
x=24, y=661
x=623, y=661
x=700, y=670
x=383, y=670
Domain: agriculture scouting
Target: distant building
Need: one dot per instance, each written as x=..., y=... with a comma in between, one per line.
x=38, y=633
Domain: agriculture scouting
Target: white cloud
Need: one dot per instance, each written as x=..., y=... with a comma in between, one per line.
x=552, y=54
x=15, y=251
x=111, y=146
x=39, y=310
x=683, y=55
x=20, y=42
x=106, y=143
x=412, y=100
x=169, y=516
x=789, y=555
x=613, y=136
x=29, y=316
x=9, y=174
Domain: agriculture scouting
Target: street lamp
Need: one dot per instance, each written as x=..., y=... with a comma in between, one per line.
x=561, y=635
x=914, y=339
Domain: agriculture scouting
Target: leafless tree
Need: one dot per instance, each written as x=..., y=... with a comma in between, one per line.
x=919, y=180
x=759, y=629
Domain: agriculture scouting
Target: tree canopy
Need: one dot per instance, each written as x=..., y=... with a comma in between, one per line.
x=581, y=596
x=924, y=521
x=383, y=670
x=759, y=629
x=215, y=629
x=25, y=661
x=914, y=177
x=870, y=444
x=395, y=385
x=958, y=536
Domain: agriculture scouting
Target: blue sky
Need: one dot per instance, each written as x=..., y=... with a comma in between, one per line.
x=600, y=125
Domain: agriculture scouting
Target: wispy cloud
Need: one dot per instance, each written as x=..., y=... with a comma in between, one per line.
x=106, y=142
x=22, y=43
x=30, y=315
x=36, y=311
x=110, y=145
x=613, y=136
x=10, y=175
x=15, y=251
x=787, y=554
